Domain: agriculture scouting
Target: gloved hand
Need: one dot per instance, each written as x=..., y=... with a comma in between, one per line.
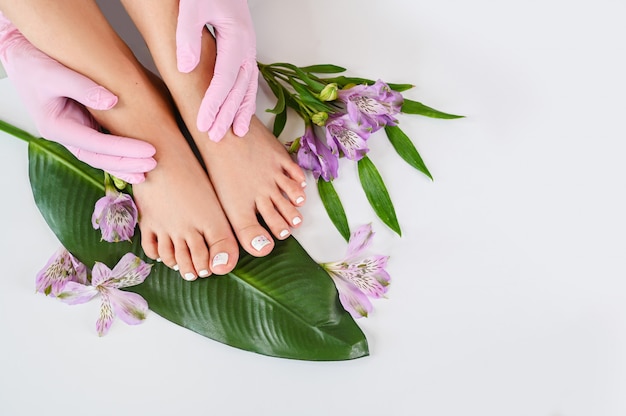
x=55, y=97
x=231, y=97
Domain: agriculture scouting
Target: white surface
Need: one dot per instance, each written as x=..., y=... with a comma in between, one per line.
x=508, y=294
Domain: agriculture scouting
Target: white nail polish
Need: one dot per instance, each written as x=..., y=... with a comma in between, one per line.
x=303, y=184
x=259, y=242
x=203, y=273
x=220, y=259
x=296, y=221
x=284, y=233
x=189, y=276
x=300, y=200
x=175, y=267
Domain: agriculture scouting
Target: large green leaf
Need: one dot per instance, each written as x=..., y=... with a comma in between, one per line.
x=283, y=305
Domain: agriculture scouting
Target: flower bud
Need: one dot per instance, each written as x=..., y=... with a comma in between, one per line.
x=329, y=93
x=320, y=118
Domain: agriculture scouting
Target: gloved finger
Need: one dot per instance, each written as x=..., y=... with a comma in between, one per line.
x=71, y=84
x=224, y=119
x=119, y=164
x=225, y=75
x=70, y=132
x=241, y=122
x=188, y=36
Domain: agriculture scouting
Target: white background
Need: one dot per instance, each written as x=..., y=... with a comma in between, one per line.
x=508, y=293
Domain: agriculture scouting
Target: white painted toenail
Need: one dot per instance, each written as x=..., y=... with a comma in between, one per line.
x=203, y=273
x=221, y=259
x=159, y=260
x=284, y=233
x=296, y=221
x=175, y=267
x=259, y=242
x=190, y=276
x=303, y=184
x=300, y=200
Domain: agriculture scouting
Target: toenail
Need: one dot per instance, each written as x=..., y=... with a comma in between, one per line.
x=203, y=273
x=303, y=184
x=284, y=233
x=159, y=260
x=300, y=200
x=175, y=267
x=221, y=259
x=259, y=242
x=189, y=276
x=296, y=221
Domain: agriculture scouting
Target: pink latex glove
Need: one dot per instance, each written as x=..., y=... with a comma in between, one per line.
x=55, y=97
x=231, y=97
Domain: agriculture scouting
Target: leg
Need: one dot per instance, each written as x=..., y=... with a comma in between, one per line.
x=251, y=175
x=180, y=216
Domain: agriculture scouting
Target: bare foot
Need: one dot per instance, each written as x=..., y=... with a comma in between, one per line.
x=255, y=174
x=180, y=217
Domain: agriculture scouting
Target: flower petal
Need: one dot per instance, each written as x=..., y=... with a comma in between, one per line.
x=77, y=293
x=59, y=270
x=129, y=307
x=130, y=271
x=359, y=241
x=106, y=315
x=100, y=274
x=352, y=299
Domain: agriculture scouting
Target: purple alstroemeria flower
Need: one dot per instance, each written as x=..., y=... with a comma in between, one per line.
x=116, y=216
x=60, y=269
x=315, y=156
x=130, y=307
x=358, y=277
x=374, y=105
x=345, y=134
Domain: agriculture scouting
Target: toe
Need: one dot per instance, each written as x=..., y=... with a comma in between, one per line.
x=184, y=264
x=295, y=172
x=150, y=245
x=293, y=189
x=274, y=220
x=224, y=255
x=199, y=255
x=166, y=251
x=253, y=237
x=289, y=213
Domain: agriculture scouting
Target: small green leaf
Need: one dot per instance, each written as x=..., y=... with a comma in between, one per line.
x=308, y=98
x=280, y=103
x=343, y=81
x=414, y=107
x=313, y=84
x=401, y=87
x=279, y=123
x=333, y=206
x=406, y=149
x=323, y=69
x=377, y=195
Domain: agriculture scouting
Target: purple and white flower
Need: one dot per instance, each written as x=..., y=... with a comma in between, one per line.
x=374, y=105
x=60, y=269
x=130, y=307
x=347, y=135
x=357, y=277
x=115, y=214
x=315, y=156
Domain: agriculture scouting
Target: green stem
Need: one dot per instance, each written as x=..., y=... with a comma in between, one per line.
x=17, y=132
